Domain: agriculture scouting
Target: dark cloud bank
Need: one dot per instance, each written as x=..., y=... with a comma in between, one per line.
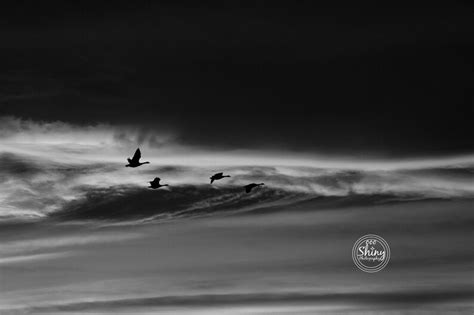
x=342, y=77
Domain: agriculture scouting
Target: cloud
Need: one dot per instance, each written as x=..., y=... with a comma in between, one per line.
x=24, y=131
x=29, y=258
x=368, y=300
x=57, y=168
x=68, y=143
x=49, y=243
x=116, y=204
x=12, y=166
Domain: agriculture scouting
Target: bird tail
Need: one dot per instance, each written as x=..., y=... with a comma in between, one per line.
x=212, y=180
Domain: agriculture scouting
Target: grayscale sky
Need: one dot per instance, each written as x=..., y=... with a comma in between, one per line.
x=358, y=119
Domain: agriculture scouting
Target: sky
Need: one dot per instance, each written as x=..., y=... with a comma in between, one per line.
x=292, y=261
x=357, y=117
x=338, y=78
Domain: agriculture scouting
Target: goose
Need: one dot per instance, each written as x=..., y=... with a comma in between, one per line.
x=249, y=187
x=135, y=161
x=156, y=183
x=218, y=176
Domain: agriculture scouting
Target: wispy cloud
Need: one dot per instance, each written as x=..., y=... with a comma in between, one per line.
x=30, y=258
x=354, y=300
x=67, y=143
x=54, y=243
x=52, y=166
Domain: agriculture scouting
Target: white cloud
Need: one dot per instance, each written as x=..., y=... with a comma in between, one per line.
x=48, y=243
x=49, y=164
x=29, y=258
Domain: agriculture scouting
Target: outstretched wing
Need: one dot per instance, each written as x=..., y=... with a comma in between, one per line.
x=219, y=174
x=157, y=180
x=248, y=188
x=137, y=155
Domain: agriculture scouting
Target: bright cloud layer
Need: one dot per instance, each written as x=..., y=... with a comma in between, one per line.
x=48, y=165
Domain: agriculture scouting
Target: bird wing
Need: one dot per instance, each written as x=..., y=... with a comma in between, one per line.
x=219, y=174
x=157, y=180
x=137, y=155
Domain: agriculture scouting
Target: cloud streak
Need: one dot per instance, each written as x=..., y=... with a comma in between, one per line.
x=14, y=260
x=388, y=299
x=49, y=243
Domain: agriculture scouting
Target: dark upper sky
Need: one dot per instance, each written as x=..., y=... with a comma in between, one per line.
x=349, y=78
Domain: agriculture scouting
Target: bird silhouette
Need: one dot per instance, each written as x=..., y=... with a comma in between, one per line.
x=249, y=187
x=156, y=183
x=218, y=176
x=135, y=161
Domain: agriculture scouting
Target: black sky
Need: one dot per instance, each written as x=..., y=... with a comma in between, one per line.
x=349, y=78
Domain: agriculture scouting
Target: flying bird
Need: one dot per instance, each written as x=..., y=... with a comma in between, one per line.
x=135, y=161
x=249, y=187
x=218, y=176
x=156, y=183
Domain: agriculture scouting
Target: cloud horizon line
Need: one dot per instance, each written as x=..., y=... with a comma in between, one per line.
x=18, y=135
x=236, y=299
